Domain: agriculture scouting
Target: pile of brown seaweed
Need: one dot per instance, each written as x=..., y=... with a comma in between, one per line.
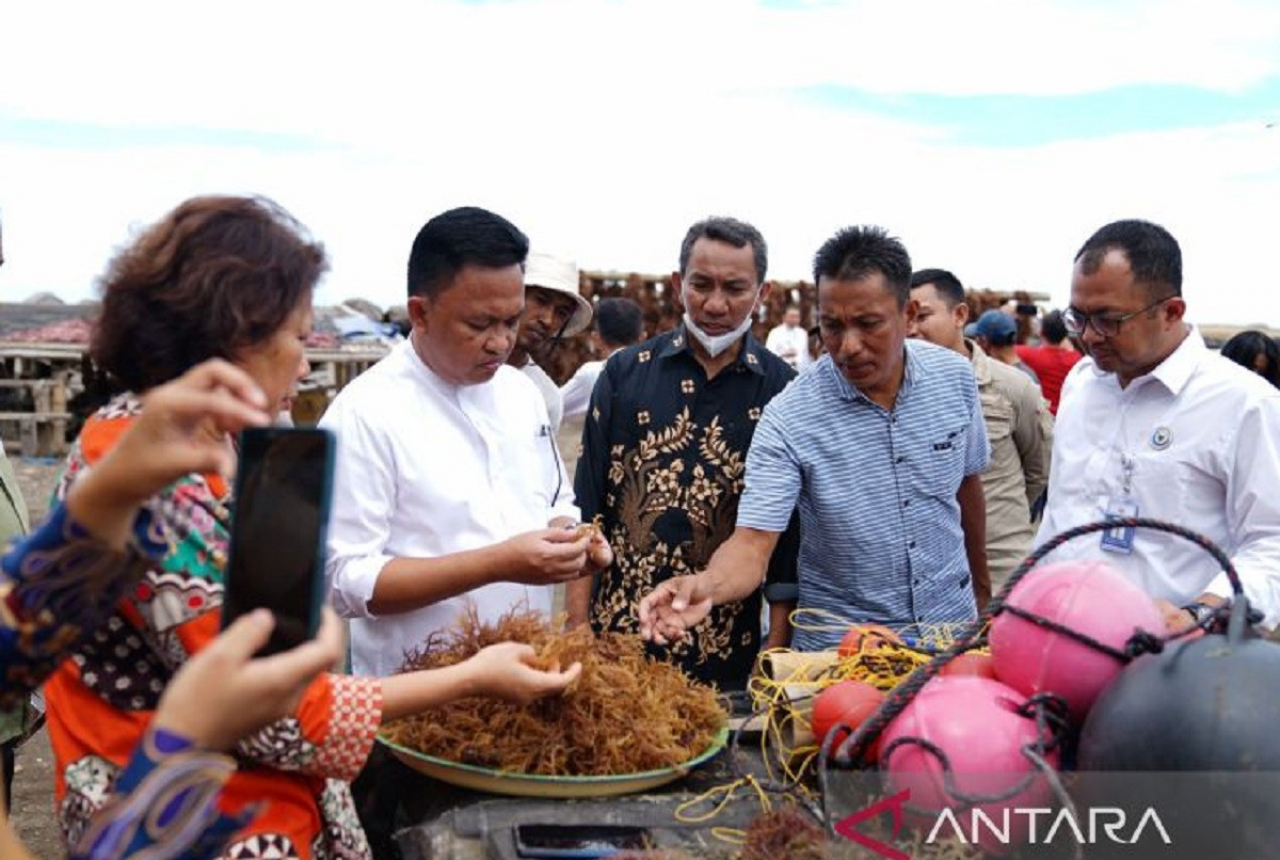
x=625, y=714
x=784, y=834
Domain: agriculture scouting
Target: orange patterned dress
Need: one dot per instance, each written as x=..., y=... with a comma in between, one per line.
x=294, y=773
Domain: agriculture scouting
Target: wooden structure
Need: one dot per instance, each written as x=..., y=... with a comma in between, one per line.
x=331, y=370
x=38, y=382
x=43, y=430
x=38, y=418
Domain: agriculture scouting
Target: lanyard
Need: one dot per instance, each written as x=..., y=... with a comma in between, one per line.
x=1128, y=452
x=1127, y=465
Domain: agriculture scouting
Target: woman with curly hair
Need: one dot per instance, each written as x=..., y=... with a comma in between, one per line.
x=230, y=278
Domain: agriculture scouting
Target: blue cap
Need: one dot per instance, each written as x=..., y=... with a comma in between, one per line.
x=996, y=326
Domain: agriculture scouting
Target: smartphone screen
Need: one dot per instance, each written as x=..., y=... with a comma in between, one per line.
x=276, y=559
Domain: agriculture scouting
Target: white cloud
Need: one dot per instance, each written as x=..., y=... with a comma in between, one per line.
x=605, y=128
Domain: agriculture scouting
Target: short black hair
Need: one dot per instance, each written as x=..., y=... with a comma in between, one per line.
x=731, y=231
x=461, y=237
x=1245, y=347
x=856, y=252
x=620, y=321
x=948, y=285
x=1154, y=256
x=1053, y=328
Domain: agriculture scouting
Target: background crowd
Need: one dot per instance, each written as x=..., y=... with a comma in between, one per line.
x=895, y=474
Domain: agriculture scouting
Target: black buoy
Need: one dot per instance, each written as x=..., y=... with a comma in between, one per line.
x=1194, y=729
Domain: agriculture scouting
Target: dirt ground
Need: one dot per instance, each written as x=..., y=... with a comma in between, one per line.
x=33, y=782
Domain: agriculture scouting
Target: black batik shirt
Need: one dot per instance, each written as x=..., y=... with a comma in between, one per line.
x=664, y=452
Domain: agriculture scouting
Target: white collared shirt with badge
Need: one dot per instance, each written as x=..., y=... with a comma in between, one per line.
x=426, y=469
x=1196, y=443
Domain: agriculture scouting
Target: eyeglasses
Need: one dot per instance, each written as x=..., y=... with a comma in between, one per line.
x=1106, y=325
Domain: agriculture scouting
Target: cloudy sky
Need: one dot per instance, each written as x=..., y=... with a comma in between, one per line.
x=991, y=136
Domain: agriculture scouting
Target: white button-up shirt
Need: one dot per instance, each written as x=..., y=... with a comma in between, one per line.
x=790, y=344
x=425, y=469
x=1202, y=438
x=576, y=393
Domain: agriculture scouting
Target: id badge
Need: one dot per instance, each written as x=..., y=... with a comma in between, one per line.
x=1119, y=538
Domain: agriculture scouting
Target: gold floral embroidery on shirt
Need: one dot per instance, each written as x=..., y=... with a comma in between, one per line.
x=687, y=386
x=685, y=468
x=644, y=356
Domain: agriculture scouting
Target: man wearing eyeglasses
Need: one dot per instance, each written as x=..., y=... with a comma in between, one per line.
x=1154, y=424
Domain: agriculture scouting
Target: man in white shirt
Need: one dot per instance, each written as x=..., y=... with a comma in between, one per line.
x=790, y=341
x=553, y=309
x=619, y=323
x=449, y=488
x=1154, y=424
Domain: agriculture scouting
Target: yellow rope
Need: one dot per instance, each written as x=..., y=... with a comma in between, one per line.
x=726, y=793
x=785, y=697
x=784, y=702
x=823, y=621
x=732, y=835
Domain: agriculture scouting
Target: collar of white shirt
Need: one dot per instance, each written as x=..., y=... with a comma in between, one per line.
x=1176, y=370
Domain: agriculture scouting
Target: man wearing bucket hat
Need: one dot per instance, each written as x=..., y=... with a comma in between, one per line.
x=663, y=448
x=1154, y=424
x=553, y=309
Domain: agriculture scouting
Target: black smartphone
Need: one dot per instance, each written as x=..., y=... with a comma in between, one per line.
x=579, y=840
x=283, y=491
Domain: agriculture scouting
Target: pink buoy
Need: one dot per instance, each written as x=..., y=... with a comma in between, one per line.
x=1089, y=597
x=974, y=722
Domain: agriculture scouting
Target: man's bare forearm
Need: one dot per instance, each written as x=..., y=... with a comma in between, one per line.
x=406, y=584
x=577, y=600
x=973, y=521
x=738, y=567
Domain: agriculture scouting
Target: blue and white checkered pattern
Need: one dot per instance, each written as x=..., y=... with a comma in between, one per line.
x=880, y=525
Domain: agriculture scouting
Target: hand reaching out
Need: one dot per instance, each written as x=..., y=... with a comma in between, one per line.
x=507, y=671
x=676, y=605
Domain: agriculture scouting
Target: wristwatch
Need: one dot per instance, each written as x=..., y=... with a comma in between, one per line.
x=1200, y=612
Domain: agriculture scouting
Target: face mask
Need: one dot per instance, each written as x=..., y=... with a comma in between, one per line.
x=716, y=344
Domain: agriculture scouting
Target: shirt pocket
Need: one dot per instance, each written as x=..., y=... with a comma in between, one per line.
x=997, y=412
x=536, y=469
x=1161, y=480
x=939, y=461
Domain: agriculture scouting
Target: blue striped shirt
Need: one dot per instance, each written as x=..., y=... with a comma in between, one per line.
x=876, y=490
